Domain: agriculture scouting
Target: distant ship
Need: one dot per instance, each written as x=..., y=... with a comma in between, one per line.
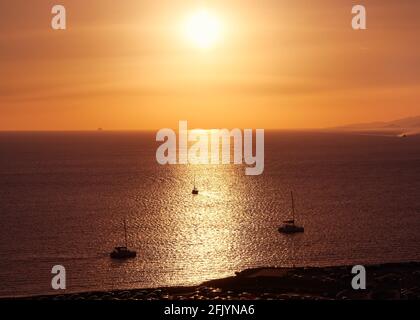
x=123, y=253
x=195, y=190
x=289, y=226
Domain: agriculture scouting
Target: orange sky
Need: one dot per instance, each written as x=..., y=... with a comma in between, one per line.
x=279, y=64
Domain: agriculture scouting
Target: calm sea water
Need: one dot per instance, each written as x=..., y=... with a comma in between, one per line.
x=64, y=196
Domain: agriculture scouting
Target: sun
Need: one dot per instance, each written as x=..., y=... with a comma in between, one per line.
x=203, y=29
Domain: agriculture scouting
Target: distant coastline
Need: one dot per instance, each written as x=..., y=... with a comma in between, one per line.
x=392, y=281
x=401, y=127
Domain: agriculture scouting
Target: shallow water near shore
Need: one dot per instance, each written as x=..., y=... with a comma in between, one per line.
x=64, y=196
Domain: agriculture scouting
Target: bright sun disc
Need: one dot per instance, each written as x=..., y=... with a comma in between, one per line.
x=203, y=29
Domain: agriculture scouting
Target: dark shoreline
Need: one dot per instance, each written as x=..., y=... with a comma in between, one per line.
x=385, y=281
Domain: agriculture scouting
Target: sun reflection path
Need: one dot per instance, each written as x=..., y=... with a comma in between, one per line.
x=204, y=235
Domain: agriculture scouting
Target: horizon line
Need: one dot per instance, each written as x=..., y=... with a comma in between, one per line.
x=153, y=130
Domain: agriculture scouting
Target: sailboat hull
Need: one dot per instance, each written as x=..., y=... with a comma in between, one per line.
x=123, y=253
x=291, y=229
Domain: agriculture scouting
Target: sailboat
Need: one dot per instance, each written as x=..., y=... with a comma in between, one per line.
x=195, y=190
x=123, y=253
x=289, y=226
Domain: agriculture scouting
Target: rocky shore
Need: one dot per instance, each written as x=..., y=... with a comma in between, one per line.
x=386, y=281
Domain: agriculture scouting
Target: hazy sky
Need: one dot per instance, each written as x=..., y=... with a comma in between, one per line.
x=278, y=64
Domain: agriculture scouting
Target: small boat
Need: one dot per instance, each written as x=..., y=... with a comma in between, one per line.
x=289, y=226
x=123, y=253
x=195, y=190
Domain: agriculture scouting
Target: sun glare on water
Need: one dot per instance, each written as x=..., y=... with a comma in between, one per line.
x=203, y=29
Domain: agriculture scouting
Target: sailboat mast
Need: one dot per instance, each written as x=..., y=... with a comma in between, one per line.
x=125, y=233
x=293, y=205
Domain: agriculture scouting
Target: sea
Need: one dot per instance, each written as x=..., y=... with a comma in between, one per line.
x=64, y=197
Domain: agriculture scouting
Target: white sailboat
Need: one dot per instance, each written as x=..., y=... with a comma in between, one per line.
x=195, y=190
x=289, y=226
x=123, y=253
